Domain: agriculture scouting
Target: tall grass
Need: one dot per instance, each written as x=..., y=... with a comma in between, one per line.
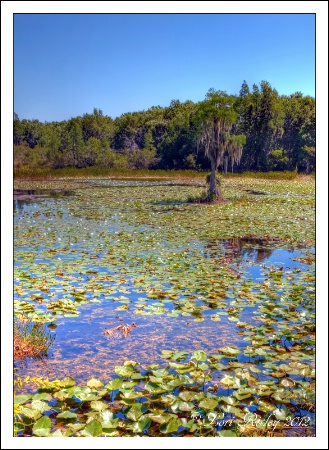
x=31, y=339
x=286, y=175
x=72, y=172
x=99, y=171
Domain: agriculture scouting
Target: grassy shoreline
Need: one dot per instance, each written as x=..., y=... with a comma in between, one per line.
x=71, y=172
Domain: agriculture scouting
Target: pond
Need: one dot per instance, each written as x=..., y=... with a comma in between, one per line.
x=113, y=253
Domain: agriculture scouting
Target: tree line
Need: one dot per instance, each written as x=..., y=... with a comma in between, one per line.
x=270, y=132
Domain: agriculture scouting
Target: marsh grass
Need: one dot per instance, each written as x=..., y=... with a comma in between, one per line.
x=48, y=173
x=286, y=175
x=31, y=340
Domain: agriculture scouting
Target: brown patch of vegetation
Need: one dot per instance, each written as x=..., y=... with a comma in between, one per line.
x=122, y=329
x=31, y=340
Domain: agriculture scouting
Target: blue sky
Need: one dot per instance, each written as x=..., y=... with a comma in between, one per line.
x=67, y=64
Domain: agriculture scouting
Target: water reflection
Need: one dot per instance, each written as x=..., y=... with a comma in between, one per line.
x=242, y=247
x=53, y=193
x=24, y=197
x=84, y=349
x=237, y=249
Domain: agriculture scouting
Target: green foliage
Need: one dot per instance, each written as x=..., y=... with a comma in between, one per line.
x=270, y=371
x=286, y=175
x=216, y=117
x=166, y=137
x=31, y=339
x=178, y=405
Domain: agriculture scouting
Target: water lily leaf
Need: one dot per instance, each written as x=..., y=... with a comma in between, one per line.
x=186, y=406
x=180, y=380
x=281, y=414
x=306, y=372
x=143, y=423
x=179, y=355
x=264, y=391
x=229, y=400
x=281, y=396
x=218, y=366
x=61, y=395
x=94, y=383
x=155, y=380
x=230, y=351
x=227, y=380
x=130, y=363
x=87, y=396
x=128, y=384
x=242, y=394
x=209, y=403
x=178, y=366
x=161, y=418
x=233, y=410
x=67, y=382
x=287, y=382
x=171, y=426
x=107, y=415
x=93, y=429
x=114, y=384
x=167, y=353
x=66, y=415
x=76, y=426
x=265, y=406
x=98, y=405
x=30, y=413
x=255, y=369
x=266, y=382
x=136, y=376
x=233, y=319
x=43, y=396
x=107, y=431
x=57, y=433
x=155, y=388
x=185, y=395
x=199, y=355
x=42, y=426
x=20, y=399
x=39, y=405
x=227, y=433
x=161, y=373
x=278, y=374
x=260, y=352
x=124, y=371
x=215, y=318
x=198, y=319
x=130, y=394
x=135, y=412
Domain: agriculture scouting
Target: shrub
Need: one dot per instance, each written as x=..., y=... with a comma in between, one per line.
x=31, y=339
x=218, y=180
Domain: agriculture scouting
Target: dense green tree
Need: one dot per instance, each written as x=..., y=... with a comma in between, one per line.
x=216, y=117
x=261, y=121
x=279, y=135
x=299, y=130
x=18, y=130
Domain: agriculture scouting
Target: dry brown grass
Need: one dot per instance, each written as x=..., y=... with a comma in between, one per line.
x=31, y=340
x=122, y=330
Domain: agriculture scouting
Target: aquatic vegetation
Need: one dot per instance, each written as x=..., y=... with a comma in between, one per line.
x=122, y=329
x=31, y=340
x=185, y=396
x=230, y=284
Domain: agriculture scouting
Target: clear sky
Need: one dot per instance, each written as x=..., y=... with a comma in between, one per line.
x=67, y=64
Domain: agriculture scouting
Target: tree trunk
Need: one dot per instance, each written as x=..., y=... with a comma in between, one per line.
x=213, y=188
x=225, y=165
